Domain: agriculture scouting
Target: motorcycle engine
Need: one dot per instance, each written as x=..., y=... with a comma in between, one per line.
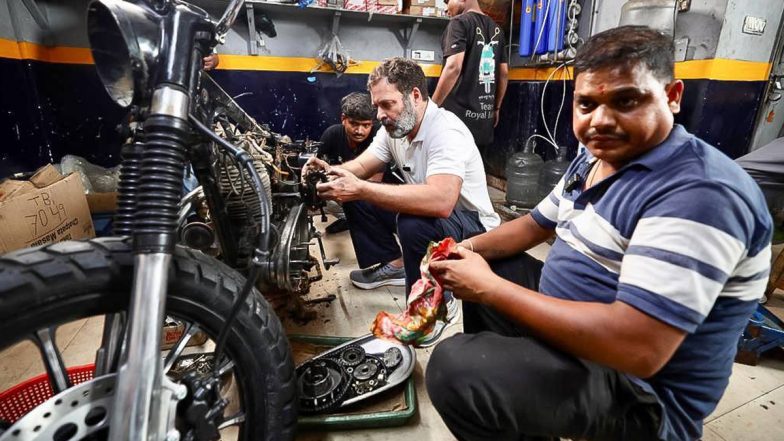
x=279, y=162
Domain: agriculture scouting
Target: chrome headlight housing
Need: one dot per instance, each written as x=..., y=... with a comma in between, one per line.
x=125, y=39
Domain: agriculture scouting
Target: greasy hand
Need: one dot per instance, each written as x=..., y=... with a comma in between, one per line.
x=314, y=163
x=343, y=186
x=469, y=276
x=211, y=61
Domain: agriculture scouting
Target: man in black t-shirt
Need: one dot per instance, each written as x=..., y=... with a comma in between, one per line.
x=474, y=76
x=345, y=141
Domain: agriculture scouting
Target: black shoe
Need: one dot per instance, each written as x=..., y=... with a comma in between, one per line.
x=338, y=226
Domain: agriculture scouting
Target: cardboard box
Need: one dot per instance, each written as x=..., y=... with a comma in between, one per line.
x=357, y=5
x=424, y=11
x=102, y=202
x=386, y=9
x=46, y=209
x=374, y=6
x=424, y=3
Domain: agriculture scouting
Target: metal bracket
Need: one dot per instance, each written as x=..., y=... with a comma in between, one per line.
x=254, y=39
x=681, y=48
x=37, y=13
x=406, y=37
x=336, y=22
x=776, y=90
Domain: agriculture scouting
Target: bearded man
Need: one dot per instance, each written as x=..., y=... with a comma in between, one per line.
x=445, y=192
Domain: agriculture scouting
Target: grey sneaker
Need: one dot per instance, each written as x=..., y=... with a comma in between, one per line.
x=452, y=314
x=378, y=275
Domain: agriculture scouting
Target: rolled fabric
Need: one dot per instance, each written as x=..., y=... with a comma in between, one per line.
x=425, y=303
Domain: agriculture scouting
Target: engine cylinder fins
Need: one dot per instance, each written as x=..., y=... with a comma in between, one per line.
x=322, y=383
x=235, y=187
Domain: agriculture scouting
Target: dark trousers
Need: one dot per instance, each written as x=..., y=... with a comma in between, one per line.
x=373, y=232
x=496, y=382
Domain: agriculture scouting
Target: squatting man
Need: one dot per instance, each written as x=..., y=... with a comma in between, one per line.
x=445, y=190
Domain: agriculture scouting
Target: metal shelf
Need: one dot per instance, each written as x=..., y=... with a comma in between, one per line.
x=369, y=16
x=404, y=36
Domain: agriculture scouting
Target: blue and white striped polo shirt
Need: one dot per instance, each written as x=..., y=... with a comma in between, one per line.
x=681, y=233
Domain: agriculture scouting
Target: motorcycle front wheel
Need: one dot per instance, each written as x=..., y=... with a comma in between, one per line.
x=47, y=287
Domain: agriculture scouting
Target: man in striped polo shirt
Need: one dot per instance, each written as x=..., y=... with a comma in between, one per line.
x=629, y=329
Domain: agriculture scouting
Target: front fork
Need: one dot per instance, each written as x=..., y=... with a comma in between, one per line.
x=142, y=389
x=145, y=399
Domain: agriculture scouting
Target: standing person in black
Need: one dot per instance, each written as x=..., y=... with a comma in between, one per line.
x=474, y=76
x=345, y=141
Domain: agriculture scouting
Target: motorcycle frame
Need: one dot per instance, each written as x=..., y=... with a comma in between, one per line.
x=147, y=399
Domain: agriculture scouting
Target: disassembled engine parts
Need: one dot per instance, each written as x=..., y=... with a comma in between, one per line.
x=351, y=372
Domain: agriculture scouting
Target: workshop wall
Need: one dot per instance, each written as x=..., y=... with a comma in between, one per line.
x=52, y=102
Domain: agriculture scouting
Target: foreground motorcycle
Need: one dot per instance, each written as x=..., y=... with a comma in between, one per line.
x=148, y=55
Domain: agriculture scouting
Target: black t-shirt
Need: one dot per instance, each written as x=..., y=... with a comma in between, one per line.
x=473, y=97
x=334, y=145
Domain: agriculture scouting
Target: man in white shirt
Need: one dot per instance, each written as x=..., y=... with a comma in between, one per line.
x=445, y=191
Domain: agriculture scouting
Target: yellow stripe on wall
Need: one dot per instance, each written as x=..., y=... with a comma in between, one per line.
x=301, y=64
x=23, y=50
x=540, y=73
x=715, y=69
x=9, y=49
x=723, y=69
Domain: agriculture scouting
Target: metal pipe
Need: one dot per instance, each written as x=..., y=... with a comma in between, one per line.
x=139, y=378
x=228, y=17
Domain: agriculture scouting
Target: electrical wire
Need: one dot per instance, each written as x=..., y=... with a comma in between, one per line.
x=550, y=138
x=541, y=31
x=564, y=76
x=541, y=106
x=572, y=13
x=536, y=135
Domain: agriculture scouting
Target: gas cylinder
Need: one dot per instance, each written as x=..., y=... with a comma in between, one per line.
x=522, y=178
x=552, y=171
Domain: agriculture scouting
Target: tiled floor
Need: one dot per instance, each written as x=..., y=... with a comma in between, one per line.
x=752, y=407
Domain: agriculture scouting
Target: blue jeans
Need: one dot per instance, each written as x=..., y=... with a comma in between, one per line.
x=373, y=232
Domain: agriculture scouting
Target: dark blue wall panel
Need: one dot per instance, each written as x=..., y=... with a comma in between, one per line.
x=21, y=145
x=722, y=113
x=302, y=105
x=48, y=110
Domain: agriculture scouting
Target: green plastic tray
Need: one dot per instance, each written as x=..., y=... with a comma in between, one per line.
x=358, y=420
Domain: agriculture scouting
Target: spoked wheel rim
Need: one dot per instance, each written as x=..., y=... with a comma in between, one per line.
x=84, y=410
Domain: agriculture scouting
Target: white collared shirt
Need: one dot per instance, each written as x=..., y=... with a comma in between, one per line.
x=443, y=145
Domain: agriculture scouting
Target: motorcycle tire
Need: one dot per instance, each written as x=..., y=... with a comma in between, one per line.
x=54, y=284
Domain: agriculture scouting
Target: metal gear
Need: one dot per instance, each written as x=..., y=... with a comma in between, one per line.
x=323, y=384
x=366, y=370
x=369, y=375
x=351, y=355
x=392, y=358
